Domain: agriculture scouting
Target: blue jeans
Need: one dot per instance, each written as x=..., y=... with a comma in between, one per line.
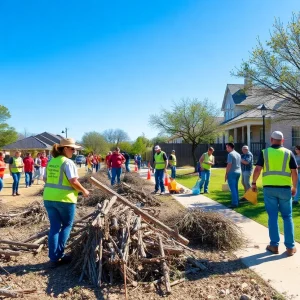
x=246, y=179
x=139, y=165
x=37, y=174
x=61, y=216
x=297, y=196
x=205, y=176
x=16, y=179
x=159, y=180
x=127, y=166
x=279, y=200
x=233, y=182
x=109, y=173
x=116, y=172
x=1, y=184
x=173, y=172
x=28, y=178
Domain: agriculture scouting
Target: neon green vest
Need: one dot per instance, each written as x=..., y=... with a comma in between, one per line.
x=159, y=161
x=58, y=187
x=207, y=158
x=16, y=163
x=173, y=162
x=276, y=167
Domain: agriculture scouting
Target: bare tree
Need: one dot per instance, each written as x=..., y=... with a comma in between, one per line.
x=193, y=120
x=115, y=136
x=94, y=141
x=273, y=69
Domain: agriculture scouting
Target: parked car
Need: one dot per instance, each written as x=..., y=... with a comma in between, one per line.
x=80, y=159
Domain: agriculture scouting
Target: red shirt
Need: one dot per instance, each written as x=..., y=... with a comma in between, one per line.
x=28, y=164
x=44, y=161
x=107, y=158
x=116, y=160
x=2, y=168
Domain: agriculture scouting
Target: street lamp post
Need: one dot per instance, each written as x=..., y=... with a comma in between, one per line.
x=263, y=111
x=65, y=131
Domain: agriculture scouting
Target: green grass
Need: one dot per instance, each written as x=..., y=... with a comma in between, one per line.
x=254, y=212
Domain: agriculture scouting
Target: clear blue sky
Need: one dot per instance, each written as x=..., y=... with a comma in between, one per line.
x=95, y=65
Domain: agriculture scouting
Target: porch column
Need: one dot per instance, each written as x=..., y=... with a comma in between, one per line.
x=248, y=136
x=226, y=136
x=243, y=135
x=235, y=135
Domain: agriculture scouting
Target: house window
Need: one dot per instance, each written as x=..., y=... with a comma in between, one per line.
x=295, y=136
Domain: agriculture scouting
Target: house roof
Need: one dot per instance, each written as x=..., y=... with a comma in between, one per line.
x=30, y=142
x=238, y=93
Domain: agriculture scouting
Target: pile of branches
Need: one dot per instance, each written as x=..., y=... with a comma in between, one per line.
x=132, y=187
x=209, y=228
x=34, y=213
x=121, y=242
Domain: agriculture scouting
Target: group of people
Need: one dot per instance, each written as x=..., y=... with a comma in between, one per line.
x=93, y=162
x=33, y=169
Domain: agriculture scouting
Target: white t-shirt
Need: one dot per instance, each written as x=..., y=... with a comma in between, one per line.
x=70, y=170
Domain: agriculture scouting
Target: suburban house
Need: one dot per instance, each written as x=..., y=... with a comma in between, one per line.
x=243, y=121
x=42, y=142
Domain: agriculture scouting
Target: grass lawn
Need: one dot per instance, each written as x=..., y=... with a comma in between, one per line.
x=254, y=212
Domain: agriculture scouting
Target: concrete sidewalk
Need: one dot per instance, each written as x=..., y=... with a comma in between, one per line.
x=280, y=271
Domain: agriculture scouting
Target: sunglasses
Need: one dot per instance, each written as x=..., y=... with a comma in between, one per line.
x=73, y=149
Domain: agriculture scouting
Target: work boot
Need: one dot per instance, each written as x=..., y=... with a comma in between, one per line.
x=291, y=251
x=273, y=249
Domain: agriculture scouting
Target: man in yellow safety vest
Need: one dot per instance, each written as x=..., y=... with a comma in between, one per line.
x=207, y=160
x=173, y=163
x=279, y=181
x=160, y=166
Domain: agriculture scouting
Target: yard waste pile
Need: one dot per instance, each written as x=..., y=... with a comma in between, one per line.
x=122, y=242
x=32, y=214
x=208, y=228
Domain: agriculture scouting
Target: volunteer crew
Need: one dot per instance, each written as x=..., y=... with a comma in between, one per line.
x=280, y=178
x=60, y=197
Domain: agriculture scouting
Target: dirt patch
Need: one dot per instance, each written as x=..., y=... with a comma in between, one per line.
x=225, y=277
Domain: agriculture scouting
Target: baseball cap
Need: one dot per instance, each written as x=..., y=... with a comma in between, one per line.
x=173, y=150
x=245, y=147
x=277, y=135
x=156, y=148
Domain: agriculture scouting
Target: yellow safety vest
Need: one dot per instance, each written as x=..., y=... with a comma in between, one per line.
x=173, y=161
x=207, y=158
x=276, y=169
x=58, y=187
x=159, y=161
x=17, y=162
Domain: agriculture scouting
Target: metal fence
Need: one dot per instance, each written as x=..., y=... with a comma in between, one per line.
x=184, y=152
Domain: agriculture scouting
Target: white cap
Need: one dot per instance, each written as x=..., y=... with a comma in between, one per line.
x=277, y=135
x=245, y=147
x=156, y=148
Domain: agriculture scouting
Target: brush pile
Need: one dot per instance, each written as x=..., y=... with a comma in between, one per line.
x=32, y=214
x=208, y=228
x=121, y=242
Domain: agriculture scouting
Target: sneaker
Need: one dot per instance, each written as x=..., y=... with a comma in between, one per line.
x=66, y=259
x=162, y=193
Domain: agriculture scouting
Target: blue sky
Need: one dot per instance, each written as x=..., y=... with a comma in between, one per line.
x=95, y=65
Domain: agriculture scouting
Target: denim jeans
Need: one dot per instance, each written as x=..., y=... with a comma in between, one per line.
x=159, y=180
x=37, y=174
x=205, y=176
x=173, y=172
x=116, y=172
x=246, y=179
x=61, y=216
x=139, y=164
x=1, y=184
x=16, y=179
x=233, y=181
x=28, y=178
x=127, y=166
x=279, y=200
x=297, y=196
x=109, y=173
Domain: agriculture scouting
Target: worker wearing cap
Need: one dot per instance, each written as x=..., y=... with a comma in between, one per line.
x=279, y=181
x=172, y=164
x=247, y=167
x=160, y=163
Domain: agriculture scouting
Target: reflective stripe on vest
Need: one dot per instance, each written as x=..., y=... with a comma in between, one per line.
x=17, y=161
x=159, y=161
x=174, y=161
x=58, y=187
x=276, y=167
x=207, y=158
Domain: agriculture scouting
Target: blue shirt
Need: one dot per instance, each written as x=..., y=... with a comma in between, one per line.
x=249, y=158
x=234, y=159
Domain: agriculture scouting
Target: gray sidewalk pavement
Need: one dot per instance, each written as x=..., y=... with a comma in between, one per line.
x=280, y=271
